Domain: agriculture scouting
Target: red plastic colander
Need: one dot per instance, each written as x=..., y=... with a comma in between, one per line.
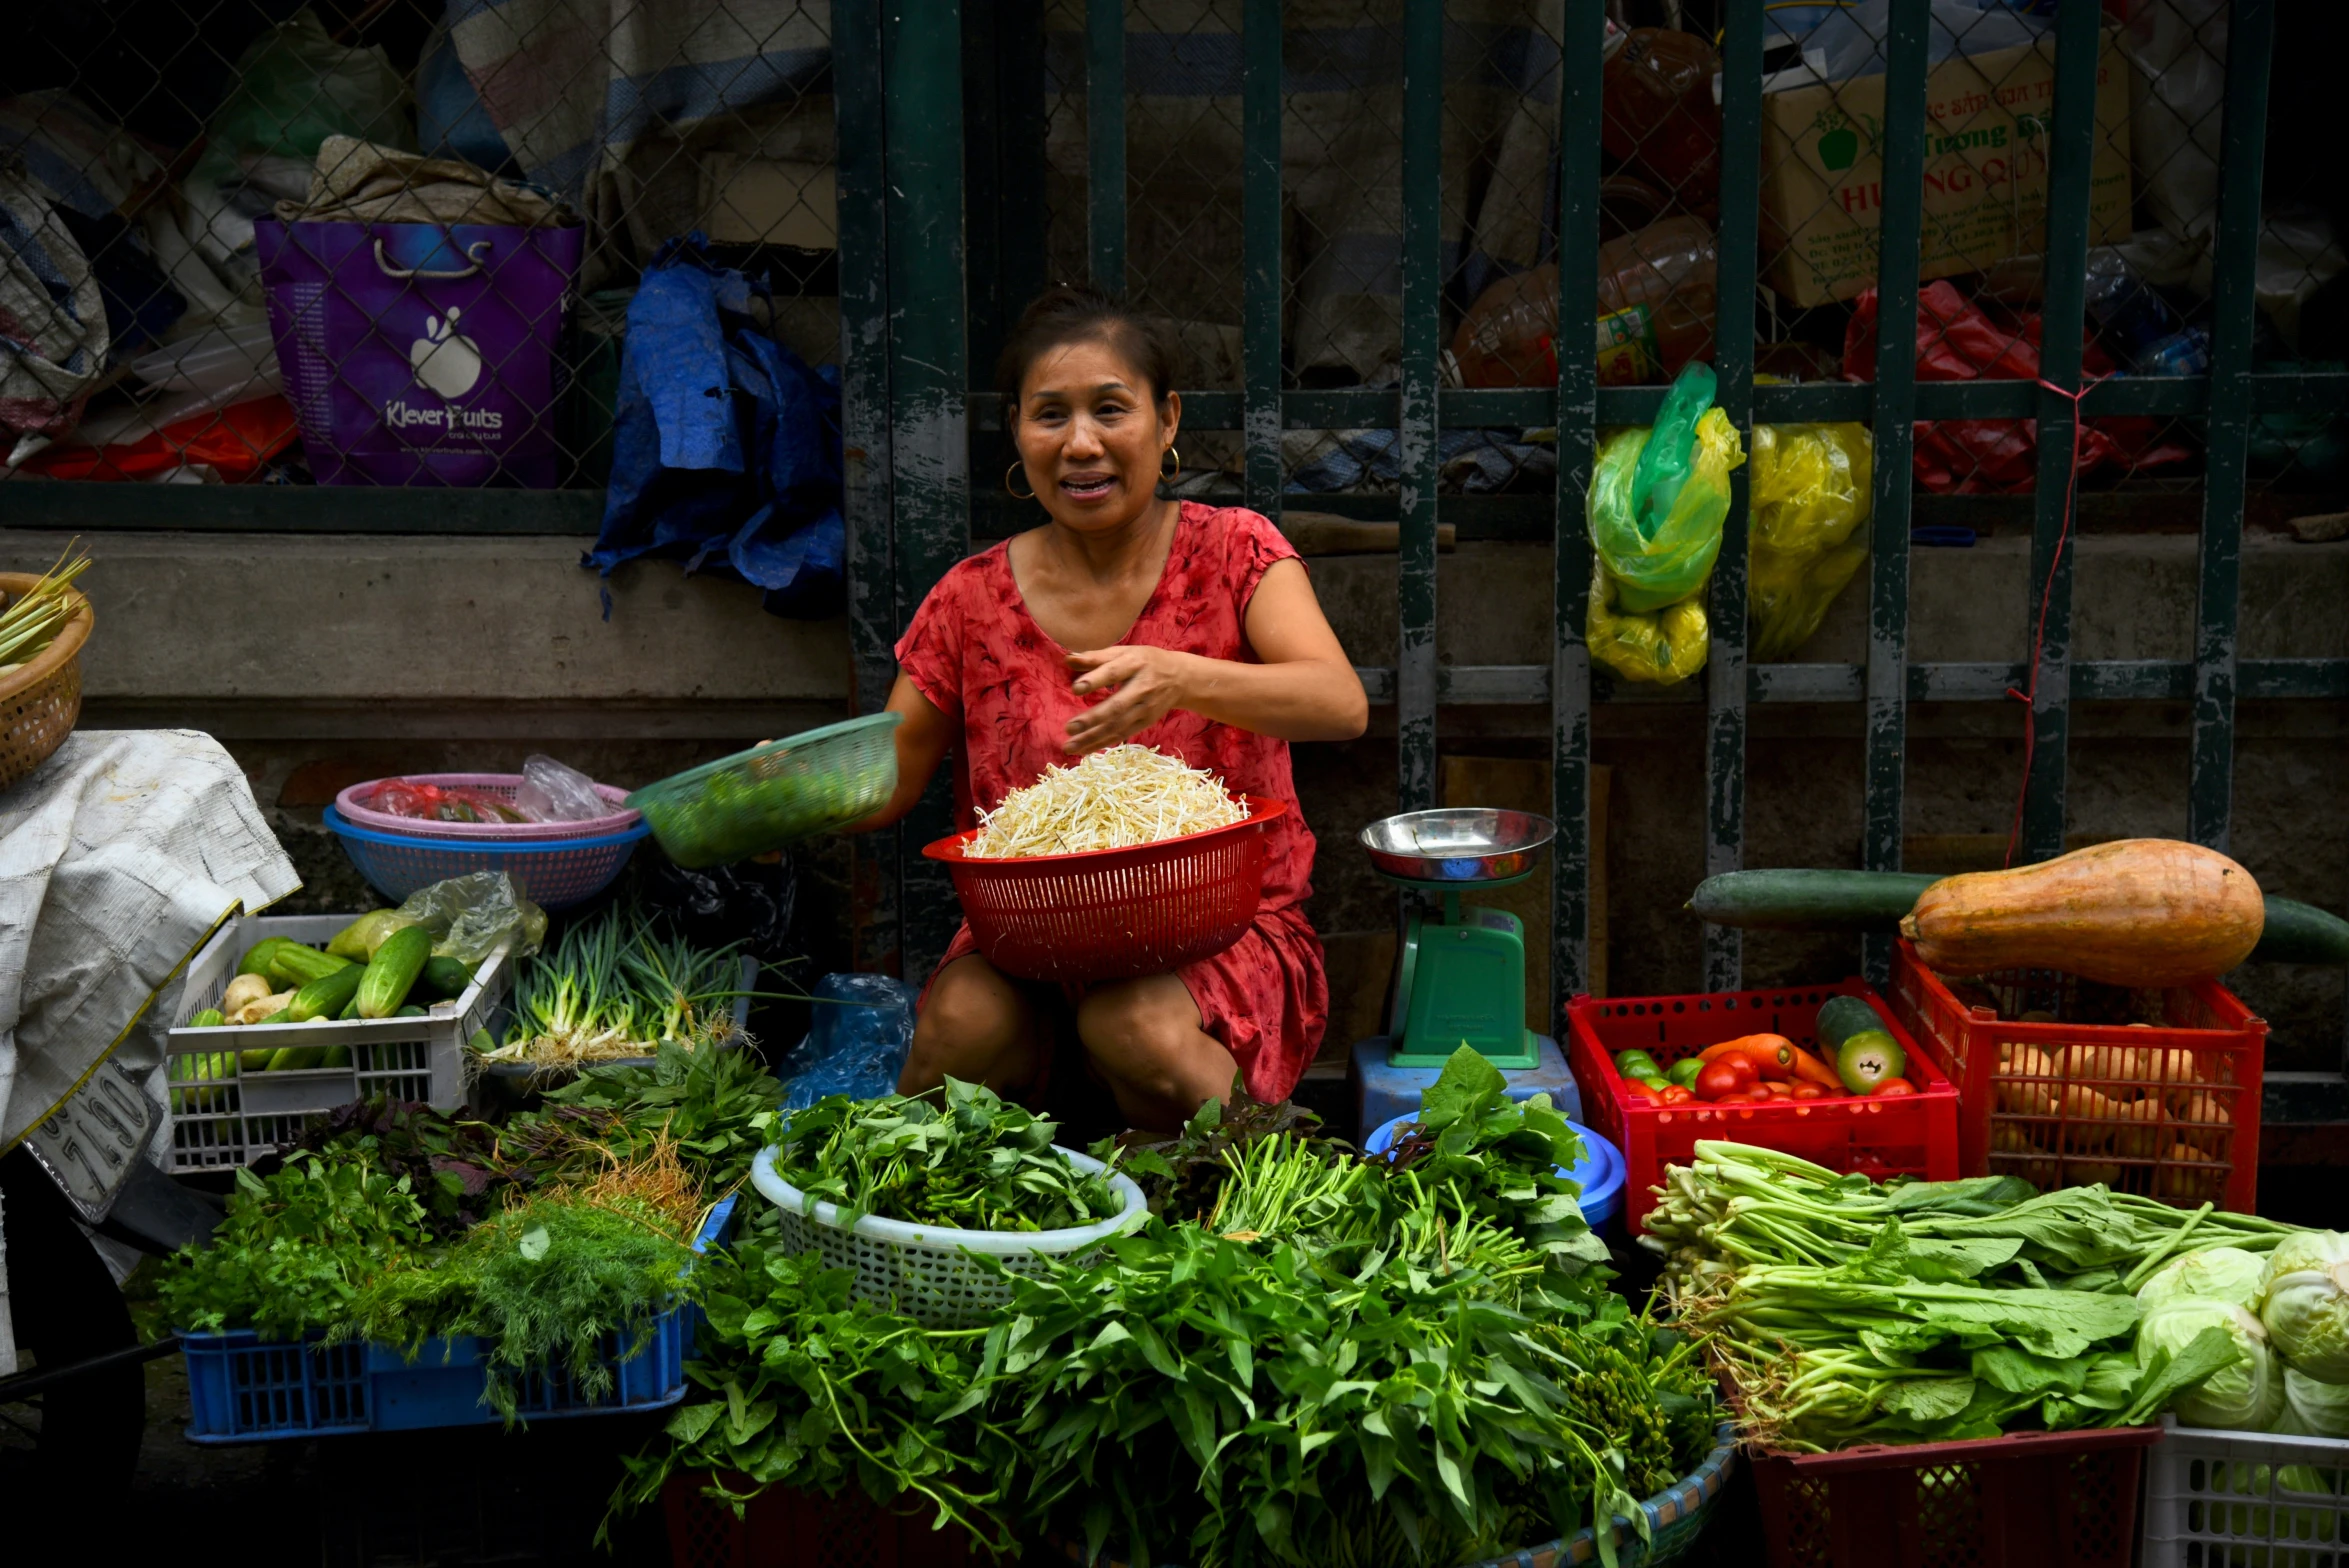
x=1114, y=914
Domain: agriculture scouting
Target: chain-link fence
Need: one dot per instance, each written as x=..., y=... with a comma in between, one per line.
x=396, y=242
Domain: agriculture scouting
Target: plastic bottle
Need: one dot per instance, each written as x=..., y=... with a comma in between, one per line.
x=1661, y=121
x=1656, y=308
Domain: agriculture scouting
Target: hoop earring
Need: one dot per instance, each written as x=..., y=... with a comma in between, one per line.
x=1008, y=490
x=1163, y=475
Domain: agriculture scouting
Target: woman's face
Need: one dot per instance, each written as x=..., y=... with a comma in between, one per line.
x=1089, y=437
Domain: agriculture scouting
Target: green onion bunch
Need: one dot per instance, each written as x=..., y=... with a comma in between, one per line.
x=32, y=622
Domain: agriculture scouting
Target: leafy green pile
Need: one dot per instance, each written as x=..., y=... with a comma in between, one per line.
x=958, y=1156
x=555, y=1237
x=1307, y=1358
x=296, y=1249
x=1848, y=1313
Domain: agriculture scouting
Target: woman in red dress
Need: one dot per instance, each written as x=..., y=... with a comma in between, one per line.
x=1126, y=617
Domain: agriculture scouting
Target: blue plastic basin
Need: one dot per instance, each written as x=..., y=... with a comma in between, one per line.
x=1599, y=1173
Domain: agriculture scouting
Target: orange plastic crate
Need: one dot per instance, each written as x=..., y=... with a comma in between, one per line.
x=2169, y=1110
x=1914, y=1135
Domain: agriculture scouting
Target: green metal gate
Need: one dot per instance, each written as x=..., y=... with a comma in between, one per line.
x=913, y=410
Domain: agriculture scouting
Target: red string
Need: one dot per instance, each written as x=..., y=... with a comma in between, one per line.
x=2030, y=698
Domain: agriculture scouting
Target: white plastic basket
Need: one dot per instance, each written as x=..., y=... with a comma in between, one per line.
x=2213, y=1500
x=222, y=1118
x=933, y=1275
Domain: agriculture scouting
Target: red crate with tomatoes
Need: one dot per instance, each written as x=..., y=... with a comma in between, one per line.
x=1822, y=1072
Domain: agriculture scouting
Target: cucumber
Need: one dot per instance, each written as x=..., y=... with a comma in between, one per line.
x=294, y=966
x=1809, y=900
x=326, y=996
x=255, y=1061
x=2298, y=933
x=296, y=1058
x=256, y=959
x=209, y=1018
x=350, y=1009
x=444, y=979
x=393, y=971
x=411, y=1012
x=336, y=1056
x=1868, y=1058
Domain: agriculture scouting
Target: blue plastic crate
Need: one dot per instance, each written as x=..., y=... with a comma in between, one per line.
x=553, y=873
x=244, y=1389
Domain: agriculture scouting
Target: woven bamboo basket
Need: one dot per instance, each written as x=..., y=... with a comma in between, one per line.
x=40, y=702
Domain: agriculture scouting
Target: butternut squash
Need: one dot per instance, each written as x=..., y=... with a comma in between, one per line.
x=2144, y=912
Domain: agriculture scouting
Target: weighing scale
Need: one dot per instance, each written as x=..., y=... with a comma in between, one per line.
x=1459, y=980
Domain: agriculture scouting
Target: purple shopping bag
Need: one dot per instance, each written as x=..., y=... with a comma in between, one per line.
x=418, y=354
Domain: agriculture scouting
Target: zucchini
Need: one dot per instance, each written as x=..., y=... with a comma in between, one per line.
x=1841, y=1017
x=1809, y=900
x=2298, y=933
x=444, y=979
x=209, y=1018
x=256, y=959
x=325, y=996
x=393, y=971
x=294, y=966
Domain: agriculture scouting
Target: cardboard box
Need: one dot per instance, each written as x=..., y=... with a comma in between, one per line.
x=1986, y=172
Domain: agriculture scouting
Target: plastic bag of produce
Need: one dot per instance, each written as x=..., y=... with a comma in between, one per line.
x=1662, y=647
x=439, y=803
x=552, y=792
x=470, y=915
x=1658, y=497
x=1810, y=498
x=857, y=1044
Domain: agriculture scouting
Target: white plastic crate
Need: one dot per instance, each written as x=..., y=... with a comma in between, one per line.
x=2233, y=1500
x=222, y=1118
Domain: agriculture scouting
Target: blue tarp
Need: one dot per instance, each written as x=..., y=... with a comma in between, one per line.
x=725, y=445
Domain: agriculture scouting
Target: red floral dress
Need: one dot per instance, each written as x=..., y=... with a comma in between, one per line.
x=976, y=652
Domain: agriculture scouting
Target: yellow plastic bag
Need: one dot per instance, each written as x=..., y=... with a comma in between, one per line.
x=1810, y=500
x=1659, y=647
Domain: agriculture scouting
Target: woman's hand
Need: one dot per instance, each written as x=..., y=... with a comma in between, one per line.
x=1145, y=685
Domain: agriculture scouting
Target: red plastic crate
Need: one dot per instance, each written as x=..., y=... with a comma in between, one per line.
x=1997, y=1502
x=1914, y=1135
x=786, y=1528
x=2103, y=1101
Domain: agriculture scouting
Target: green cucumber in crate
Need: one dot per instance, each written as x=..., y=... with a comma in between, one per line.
x=256, y=959
x=296, y=966
x=393, y=970
x=443, y=979
x=326, y=996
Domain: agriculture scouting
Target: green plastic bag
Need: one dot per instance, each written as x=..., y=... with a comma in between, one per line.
x=1658, y=497
x=295, y=87
x=1810, y=500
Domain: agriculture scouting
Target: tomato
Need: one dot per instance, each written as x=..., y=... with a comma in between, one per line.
x=1776, y=1090
x=1633, y=1089
x=1722, y=1078
x=1893, y=1088
x=1806, y=1091
x=1741, y=1097
x=1678, y=1094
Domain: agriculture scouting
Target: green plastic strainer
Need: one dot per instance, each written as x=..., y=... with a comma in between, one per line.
x=773, y=795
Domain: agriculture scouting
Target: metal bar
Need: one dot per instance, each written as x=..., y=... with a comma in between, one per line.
x=928, y=430
x=1577, y=404
x=2210, y=769
x=873, y=618
x=1459, y=408
x=2079, y=35
x=2093, y=680
x=1416, y=453
x=1261, y=276
x=1105, y=137
x=1733, y=360
x=1896, y=367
